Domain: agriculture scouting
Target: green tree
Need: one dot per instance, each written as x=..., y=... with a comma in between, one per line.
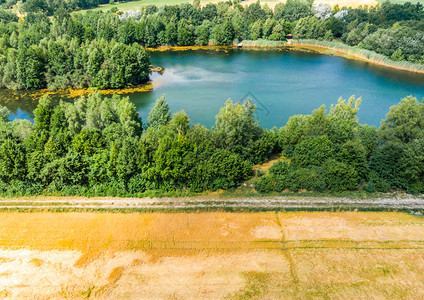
x=340, y=176
x=127, y=33
x=223, y=34
x=160, y=114
x=4, y=114
x=278, y=33
x=398, y=55
x=31, y=67
x=404, y=122
x=236, y=128
x=297, y=9
x=43, y=114
x=12, y=160
x=385, y=162
x=180, y=123
x=58, y=59
x=268, y=27
x=203, y=32
x=279, y=11
x=313, y=151
x=256, y=30
x=185, y=33
x=229, y=33
x=171, y=33
x=412, y=166
x=335, y=26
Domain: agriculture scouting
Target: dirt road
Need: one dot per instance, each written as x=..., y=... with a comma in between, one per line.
x=398, y=203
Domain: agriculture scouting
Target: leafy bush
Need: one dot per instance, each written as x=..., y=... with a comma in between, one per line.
x=340, y=176
x=306, y=179
x=264, y=184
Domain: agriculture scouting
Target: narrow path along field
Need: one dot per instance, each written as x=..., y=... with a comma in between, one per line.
x=290, y=203
x=212, y=255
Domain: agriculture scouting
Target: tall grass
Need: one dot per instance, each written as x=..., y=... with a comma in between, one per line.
x=363, y=54
x=262, y=43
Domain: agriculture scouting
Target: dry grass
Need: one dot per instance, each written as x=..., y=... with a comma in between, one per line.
x=265, y=166
x=360, y=274
x=353, y=226
x=200, y=276
x=212, y=255
x=92, y=232
x=37, y=262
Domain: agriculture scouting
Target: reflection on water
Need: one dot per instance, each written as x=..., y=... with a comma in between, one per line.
x=391, y=74
x=21, y=104
x=283, y=83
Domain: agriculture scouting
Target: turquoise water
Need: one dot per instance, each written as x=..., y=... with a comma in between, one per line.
x=284, y=83
x=281, y=83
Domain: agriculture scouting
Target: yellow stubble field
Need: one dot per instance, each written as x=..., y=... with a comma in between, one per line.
x=211, y=255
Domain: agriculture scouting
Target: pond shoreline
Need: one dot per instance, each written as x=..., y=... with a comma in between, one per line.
x=350, y=54
x=297, y=45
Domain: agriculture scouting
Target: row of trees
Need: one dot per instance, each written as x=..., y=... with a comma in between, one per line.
x=63, y=63
x=384, y=28
x=100, y=146
x=58, y=52
x=332, y=151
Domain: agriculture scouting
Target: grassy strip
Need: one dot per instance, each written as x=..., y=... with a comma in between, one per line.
x=23, y=203
x=241, y=209
x=246, y=193
x=262, y=43
x=363, y=54
x=241, y=193
x=138, y=4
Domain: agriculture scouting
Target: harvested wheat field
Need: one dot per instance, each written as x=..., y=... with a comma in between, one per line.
x=211, y=255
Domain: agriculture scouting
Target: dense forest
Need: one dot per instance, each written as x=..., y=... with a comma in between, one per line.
x=332, y=151
x=103, y=50
x=99, y=146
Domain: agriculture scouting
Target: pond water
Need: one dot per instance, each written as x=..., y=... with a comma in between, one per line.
x=281, y=83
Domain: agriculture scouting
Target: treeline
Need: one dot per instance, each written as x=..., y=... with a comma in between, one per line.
x=39, y=53
x=67, y=49
x=63, y=63
x=332, y=151
x=99, y=146
x=394, y=30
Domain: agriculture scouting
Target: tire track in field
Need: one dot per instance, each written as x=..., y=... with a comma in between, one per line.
x=287, y=253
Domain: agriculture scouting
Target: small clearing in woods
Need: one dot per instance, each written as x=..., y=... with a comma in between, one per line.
x=211, y=255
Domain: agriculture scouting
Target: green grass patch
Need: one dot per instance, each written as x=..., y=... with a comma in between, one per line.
x=256, y=284
x=134, y=5
x=262, y=43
